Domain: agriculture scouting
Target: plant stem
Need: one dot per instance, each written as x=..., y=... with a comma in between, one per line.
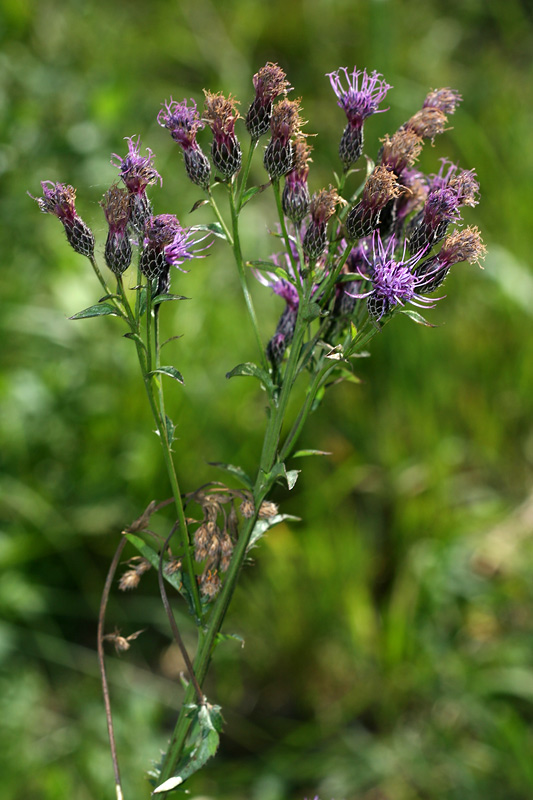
x=242, y=278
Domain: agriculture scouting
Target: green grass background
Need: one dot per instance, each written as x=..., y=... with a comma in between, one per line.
x=388, y=635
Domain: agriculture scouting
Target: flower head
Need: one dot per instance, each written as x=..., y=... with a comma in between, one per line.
x=184, y=122
x=117, y=209
x=461, y=245
x=137, y=171
x=59, y=199
x=394, y=281
x=221, y=114
x=285, y=123
x=270, y=82
x=323, y=206
x=380, y=187
x=166, y=244
x=359, y=100
x=295, y=199
x=446, y=100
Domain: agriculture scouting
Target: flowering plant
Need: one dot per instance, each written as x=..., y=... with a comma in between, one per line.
x=350, y=259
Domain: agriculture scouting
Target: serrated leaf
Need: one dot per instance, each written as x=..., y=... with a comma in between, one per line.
x=99, y=310
x=250, y=370
x=416, y=317
x=238, y=472
x=303, y=453
x=172, y=372
x=165, y=298
x=263, y=525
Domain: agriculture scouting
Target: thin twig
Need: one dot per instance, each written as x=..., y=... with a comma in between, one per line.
x=173, y=624
x=101, y=656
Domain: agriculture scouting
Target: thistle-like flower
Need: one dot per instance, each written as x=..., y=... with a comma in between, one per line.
x=184, y=122
x=446, y=100
x=449, y=190
x=270, y=82
x=295, y=198
x=59, y=199
x=117, y=209
x=221, y=114
x=359, y=101
x=323, y=207
x=461, y=245
x=166, y=244
x=287, y=322
x=284, y=124
x=381, y=187
x=137, y=172
x=394, y=281
x=400, y=150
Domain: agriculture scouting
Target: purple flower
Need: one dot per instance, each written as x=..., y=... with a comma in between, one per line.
x=445, y=100
x=393, y=280
x=59, y=199
x=221, y=114
x=137, y=172
x=166, y=244
x=359, y=101
x=184, y=123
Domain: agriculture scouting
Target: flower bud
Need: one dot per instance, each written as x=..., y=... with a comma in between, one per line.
x=295, y=198
x=59, y=199
x=285, y=123
x=270, y=82
x=323, y=205
x=116, y=205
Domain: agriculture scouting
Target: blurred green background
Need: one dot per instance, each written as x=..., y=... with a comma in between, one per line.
x=389, y=633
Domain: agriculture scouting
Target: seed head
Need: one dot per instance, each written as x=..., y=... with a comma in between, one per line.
x=428, y=122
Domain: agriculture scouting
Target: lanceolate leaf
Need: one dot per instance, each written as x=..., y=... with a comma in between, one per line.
x=99, y=310
x=206, y=726
x=416, y=317
x=263, y=525
x=213, y=227
x=253, y=371
x=302, y=453
x=164, y=298
x=172, y=372
x=239, y=473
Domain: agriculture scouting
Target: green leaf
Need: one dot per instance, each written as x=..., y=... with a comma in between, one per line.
x=99, y=310
x=263, y=266
x=207, y=724
x=239, y=473
x=170, y=429
x=198, y=204
x=135, y=337
x=249, y=193
x=176, y=578
x=164, y=298
x=252, y=371
x=213, y=227
x=142, y=300
x=416, y=317
x=312, y=311
x=172, y=372
x=225, y=637
x=303, y=453
x=263, y=525
x=280, y=473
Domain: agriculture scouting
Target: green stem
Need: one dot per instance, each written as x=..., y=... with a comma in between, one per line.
x=219, y=216
x=237, y=251
x=245, y=171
